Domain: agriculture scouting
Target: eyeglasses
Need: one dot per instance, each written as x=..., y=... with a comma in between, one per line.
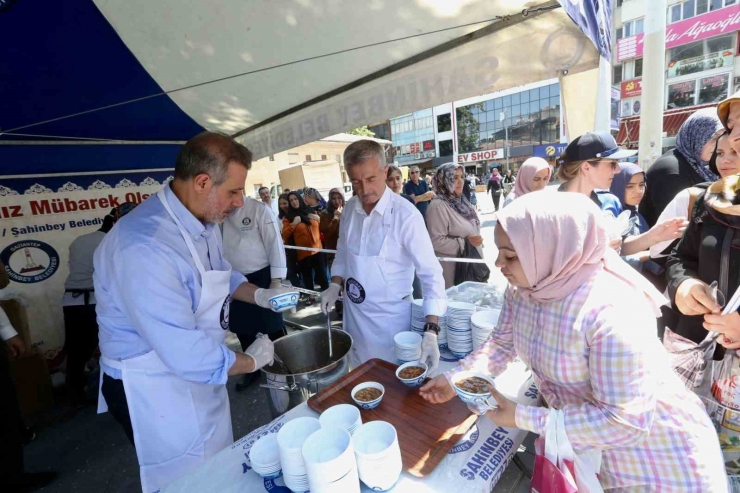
x=614, y=164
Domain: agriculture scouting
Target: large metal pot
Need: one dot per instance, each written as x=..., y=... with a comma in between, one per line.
x=308, y=349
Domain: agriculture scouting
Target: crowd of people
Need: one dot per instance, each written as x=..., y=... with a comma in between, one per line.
x=607, y=277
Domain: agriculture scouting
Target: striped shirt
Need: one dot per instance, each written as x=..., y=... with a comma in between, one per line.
x=596, y=356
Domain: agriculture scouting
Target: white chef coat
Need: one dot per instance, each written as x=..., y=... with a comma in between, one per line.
x=6, y=329
x=252, y=240
x=408, y=240
x=81, y=267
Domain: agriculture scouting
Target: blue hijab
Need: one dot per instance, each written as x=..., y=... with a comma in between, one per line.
x=619, y=187
x=693, y=135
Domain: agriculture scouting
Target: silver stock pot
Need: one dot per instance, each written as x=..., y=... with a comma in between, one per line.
x=306, y=354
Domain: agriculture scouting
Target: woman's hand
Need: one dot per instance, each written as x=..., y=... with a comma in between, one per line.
x=297, y=221
x=338, y=212
x=475, y=240
x=314, y=217
x=728, y=326
x=671, y=229
x=692, y=299
x=437, y=390
x=505, y=414
x=616, y=244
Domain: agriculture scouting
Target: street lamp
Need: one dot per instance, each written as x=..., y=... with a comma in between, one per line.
x=502, y=118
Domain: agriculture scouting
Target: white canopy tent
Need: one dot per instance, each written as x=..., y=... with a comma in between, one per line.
x=279, y=74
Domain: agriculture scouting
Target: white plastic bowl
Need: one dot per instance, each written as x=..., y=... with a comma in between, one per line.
x=371, y=404
x=284, y=301
x=412, y=382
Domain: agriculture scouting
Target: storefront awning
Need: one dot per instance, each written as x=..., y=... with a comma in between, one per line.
x=629, y=127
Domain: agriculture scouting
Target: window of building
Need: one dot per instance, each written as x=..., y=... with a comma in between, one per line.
x=338, y=158
x=323, y=157
x=616, y=74
x=713, y=89
x=445, y=148
x=633, y=28
x=703, y=55
x=620, y=34
x=691, y=8
x=681, y=94
x=308, y=157
x=530, y=118
x=638, y=67
x=444, y=123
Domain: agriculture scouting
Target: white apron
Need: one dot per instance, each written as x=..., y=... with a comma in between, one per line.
x=178, y=424
x=373, y=312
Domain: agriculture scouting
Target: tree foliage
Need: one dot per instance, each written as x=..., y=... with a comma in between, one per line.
x=362, y=132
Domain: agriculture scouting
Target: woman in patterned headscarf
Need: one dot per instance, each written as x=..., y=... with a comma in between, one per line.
x=451, y=219
x=683, y=167
x=314, y=200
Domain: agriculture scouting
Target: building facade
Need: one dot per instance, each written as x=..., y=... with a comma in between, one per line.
x=700, y=61
x=482, y=131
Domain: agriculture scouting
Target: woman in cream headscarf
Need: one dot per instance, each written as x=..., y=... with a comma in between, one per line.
x=584, y=322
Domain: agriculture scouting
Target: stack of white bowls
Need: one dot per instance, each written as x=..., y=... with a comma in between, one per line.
x=344, y=416
x=482, y=324
x=459, y=335
x=408, y=346
x=418, y=320
x=291, y=438
x=265, y=456
x=378, y=455
x=330, y=462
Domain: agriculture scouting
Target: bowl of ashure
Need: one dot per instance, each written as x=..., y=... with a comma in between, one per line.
x=368, y=395
x=285, y=301
x=474, y=388
x=412, y=374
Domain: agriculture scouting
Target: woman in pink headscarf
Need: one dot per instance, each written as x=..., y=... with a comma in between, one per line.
x=533, y=176
x=584, y=322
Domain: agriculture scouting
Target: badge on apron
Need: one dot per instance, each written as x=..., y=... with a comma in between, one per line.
x=247, y=224
x=224, y=317
x=355, y=291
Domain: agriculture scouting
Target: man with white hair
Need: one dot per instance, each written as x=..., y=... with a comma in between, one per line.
x=418, y=190
x=381, y=243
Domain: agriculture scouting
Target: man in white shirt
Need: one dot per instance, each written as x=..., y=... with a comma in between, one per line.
x=382, y=240
x=264, y=193
x=78, y=304
x=253, y=246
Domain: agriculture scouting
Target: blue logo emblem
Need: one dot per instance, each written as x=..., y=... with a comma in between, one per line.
x=30, y=261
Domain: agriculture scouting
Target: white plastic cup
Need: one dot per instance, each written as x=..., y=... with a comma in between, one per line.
x=344, y=416
x=328, y=455
x=378, y=454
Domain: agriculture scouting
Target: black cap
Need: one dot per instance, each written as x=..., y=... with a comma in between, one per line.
x=594, y=145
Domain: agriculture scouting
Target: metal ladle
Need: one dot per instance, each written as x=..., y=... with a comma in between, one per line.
x=328, y=329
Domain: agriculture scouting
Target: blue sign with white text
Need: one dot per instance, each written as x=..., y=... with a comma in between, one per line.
x=549, y=151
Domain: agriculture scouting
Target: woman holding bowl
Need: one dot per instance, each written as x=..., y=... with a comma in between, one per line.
x=584, y=322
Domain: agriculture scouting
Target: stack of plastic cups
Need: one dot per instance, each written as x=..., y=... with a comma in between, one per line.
x=265, y=457
x=291, y=438
x=408, y=346
x=330, y=462
x=344, y=416
x=482, y=324
x=378, y=455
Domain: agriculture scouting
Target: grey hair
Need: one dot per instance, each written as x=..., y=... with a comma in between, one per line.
x=210, y=153
x=362, y=150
